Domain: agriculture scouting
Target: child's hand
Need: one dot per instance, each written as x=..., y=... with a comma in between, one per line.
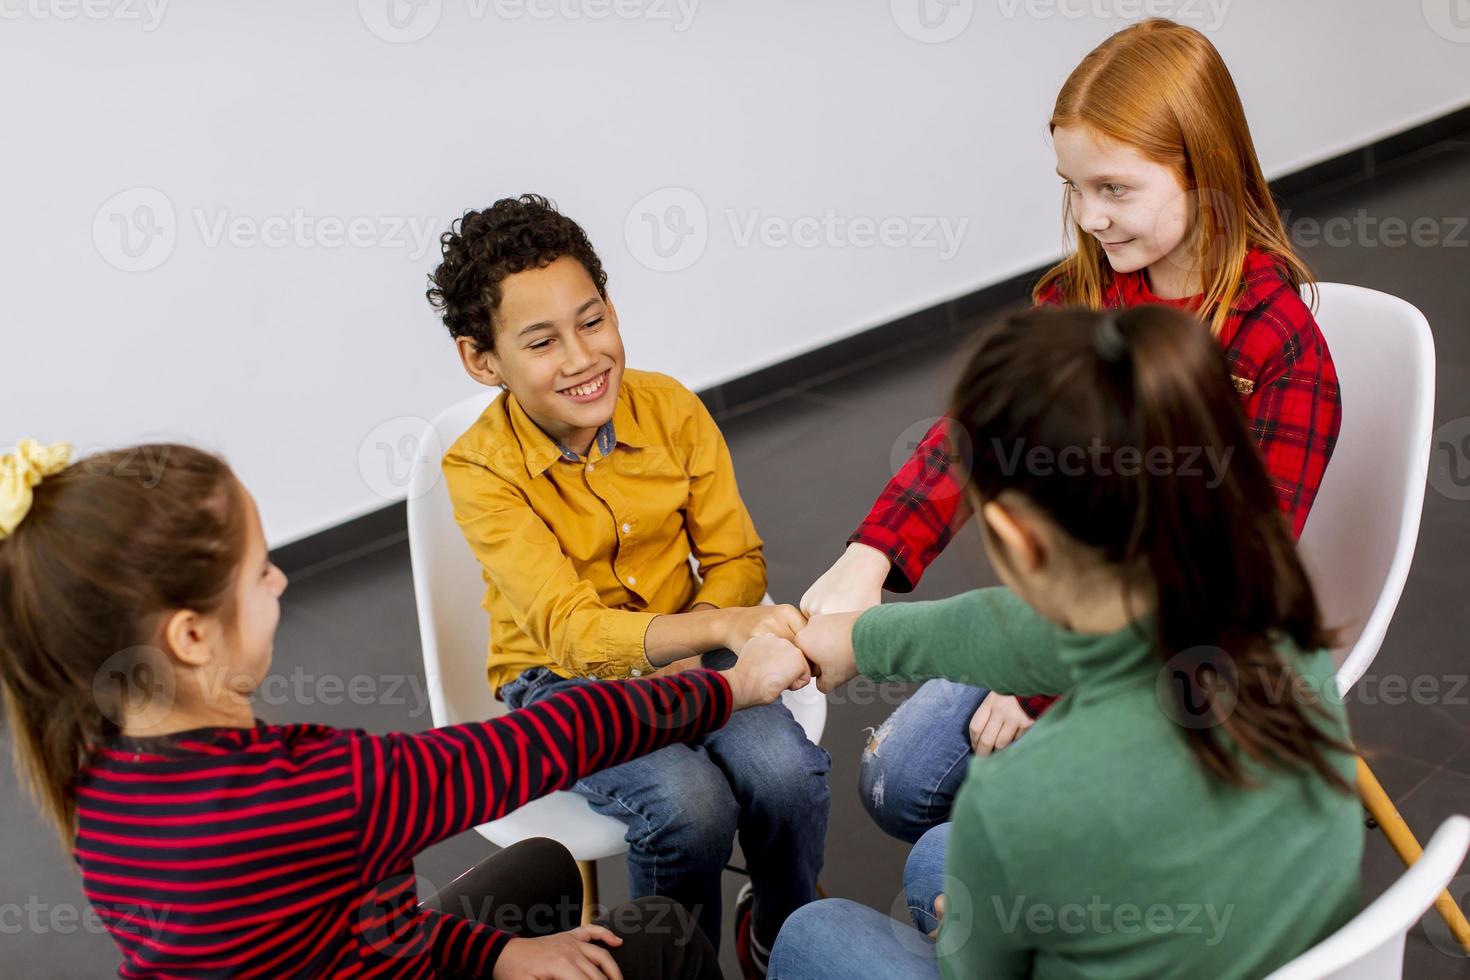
x=564, y=956
x=998, y=722
x=743, y=622
x=827, y=643
x=676, y=667
x=853, y=583
x=767, y=665
x=939, y=901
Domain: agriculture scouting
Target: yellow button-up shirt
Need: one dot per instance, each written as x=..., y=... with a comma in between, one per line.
x=579, y=557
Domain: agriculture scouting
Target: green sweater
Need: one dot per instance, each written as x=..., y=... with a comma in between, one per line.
x=1097, y=846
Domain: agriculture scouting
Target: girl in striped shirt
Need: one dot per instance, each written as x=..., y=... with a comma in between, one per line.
x=137, y=613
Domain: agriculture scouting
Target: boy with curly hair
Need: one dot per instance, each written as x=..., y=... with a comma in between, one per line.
x=583, y=491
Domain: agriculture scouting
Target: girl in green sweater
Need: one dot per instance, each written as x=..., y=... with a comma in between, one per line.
x=1205, y=825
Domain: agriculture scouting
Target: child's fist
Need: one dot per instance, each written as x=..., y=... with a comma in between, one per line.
x=767, y=666
x=747, y=621
x=827, y=643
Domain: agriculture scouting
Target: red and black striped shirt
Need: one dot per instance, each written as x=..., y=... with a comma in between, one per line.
x=288, y=850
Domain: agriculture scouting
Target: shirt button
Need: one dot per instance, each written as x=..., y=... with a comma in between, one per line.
x=591, y=467
x=627, y=528
x=632, y=580
x=635, y=672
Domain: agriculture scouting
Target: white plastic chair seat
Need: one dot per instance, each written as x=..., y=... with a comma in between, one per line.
x=455, y=633
x=1371, y=946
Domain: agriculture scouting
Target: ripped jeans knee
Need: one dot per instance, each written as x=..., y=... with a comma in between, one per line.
x=913, y=763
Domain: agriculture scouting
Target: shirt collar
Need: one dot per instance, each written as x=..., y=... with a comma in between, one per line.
x=1108, y=658
x=1261, y=276
x=604, y=441
x=541, y=451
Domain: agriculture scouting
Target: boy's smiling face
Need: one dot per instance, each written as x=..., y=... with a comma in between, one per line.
x=557, y=349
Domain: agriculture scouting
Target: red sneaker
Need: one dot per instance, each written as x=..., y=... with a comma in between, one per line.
x=753, y=960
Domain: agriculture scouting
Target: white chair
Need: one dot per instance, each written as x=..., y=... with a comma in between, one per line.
x=1359, y=541
x=1371, y=946
x=455, y=634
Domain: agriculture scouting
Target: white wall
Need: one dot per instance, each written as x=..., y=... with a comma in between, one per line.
x=298, y=359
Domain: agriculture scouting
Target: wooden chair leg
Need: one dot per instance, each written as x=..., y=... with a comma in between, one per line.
x=589, y=890
x=1401, y=838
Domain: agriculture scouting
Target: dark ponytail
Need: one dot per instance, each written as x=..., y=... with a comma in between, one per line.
x=110, y=546
x=1170, y=491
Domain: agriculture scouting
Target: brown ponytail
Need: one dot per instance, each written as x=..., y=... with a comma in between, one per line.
x=1192, y=520
x=111, y=545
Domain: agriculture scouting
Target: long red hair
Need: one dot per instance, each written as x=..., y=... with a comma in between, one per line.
x=1162, y=89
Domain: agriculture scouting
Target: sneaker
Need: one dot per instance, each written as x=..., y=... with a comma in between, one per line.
x=753, y=958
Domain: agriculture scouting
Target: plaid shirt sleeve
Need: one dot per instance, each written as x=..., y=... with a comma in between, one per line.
x=918, y=511
x=1283, y=370
x=922, y=507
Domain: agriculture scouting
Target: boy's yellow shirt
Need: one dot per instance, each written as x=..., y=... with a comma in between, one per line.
x=579, y=557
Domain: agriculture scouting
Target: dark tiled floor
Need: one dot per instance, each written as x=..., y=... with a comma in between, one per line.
x=810, y=461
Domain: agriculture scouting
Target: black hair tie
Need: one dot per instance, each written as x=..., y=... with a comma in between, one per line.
x=1109, y=341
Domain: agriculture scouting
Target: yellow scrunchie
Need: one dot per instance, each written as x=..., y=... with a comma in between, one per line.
x=19, y=471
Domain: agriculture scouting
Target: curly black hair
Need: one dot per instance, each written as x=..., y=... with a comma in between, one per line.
x=483, y=247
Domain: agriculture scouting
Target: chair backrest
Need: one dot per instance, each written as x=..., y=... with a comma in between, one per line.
x=1359, y=541
x=448, y=584
x=1371, y=946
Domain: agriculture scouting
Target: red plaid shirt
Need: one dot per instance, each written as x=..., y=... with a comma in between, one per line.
x=1281, y=368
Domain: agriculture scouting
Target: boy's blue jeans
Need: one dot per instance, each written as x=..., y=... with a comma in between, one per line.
x=759, y=776
x=917, y=759
x=840, y=939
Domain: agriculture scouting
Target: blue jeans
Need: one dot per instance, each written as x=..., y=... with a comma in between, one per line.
x=840, y=939
x=923, y=877
x=917, y=759
x=759, y=776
